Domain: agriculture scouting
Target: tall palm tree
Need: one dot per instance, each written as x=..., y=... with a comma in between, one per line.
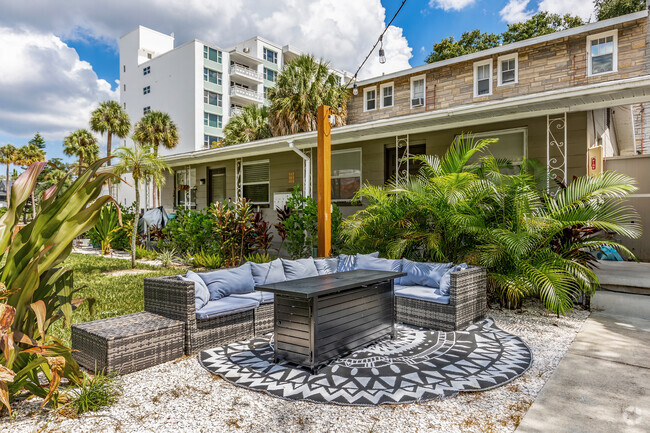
x=82, y=144
x=250, y=125
x=142, y=163
x=8, y=155
x=111, y=119
x=303, y=85
x=154, y=129
x=27, y=155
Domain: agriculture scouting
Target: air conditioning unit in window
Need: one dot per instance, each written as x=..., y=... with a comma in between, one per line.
x=417, y=102
x=247, y=50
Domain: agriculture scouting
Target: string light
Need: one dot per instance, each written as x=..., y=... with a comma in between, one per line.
x=382, y=55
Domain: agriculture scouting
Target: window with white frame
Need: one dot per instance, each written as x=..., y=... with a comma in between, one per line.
x=146, y=90
x=212, y=98
x=256, y=181
x=213, y=120
x=266, y=92
x=270, y=56
x=346, y=174
x=418, y=86
x=386, y=92
x=211, y=54
x=146, y=71
x=124, y=87
x=511, y=144
x=210, y=141
x=369, y=98
x=602, y=51
x=186, y=188
x=508, y=69
x=212, y=76
x=483, y=78
x=270, y=75
x=146, y=109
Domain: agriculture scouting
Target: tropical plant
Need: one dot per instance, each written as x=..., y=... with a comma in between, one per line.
x=27, y=155
x=462, y=209
x=167, y=257
x=202, y=259
x=93, y=392
x=613, y=8
x=260, y=236
x=258, y=258
x=141, y=162
x=143, y=253
x=154, y=129
x=191, y=231
x=249, y=125
x=106, y=228
x=232, y=228
x=8, y=155
x=34, y=293
x=303, y=85
x=111, y=119
x=83, y=145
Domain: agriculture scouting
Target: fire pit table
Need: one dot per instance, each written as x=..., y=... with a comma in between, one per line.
x=318, y=319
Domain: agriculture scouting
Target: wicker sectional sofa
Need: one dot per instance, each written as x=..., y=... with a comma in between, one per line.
x=252, y=314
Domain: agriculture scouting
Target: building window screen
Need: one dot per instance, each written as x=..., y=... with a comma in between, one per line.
x=602, y=55
x=371, y=99
x=387, y=96
x=508, y=71
x=211, y=76
x=213, y=120
x=483, y=76
x=212, y=98
x=255, y=181
x=346, y=174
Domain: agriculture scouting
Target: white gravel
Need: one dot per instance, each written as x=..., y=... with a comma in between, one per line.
x=181, y=396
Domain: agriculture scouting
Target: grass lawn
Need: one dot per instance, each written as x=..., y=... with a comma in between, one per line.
x=114, y=294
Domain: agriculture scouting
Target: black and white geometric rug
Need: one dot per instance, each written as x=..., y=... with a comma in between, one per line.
x=419, y=365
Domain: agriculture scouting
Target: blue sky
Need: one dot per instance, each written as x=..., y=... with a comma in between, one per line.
x=80, y=43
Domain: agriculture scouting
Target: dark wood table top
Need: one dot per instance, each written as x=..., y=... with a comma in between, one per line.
x=323, y=284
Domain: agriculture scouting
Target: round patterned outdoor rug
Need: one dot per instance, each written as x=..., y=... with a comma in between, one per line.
x=419, y=365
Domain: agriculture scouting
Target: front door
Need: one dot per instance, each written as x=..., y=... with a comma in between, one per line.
x=390, y=160
x=217, y=185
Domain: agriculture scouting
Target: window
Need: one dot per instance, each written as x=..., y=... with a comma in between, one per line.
x=146, y=71
x=391, y=160
x=124, y=87
x=212, y=98
x=125, y=105
x=602, y=50
x=270, y=56
x=149, y=56
x=146, y=90
x=211, y=54
x=369, y=98
x=418, y=94
x=346, y=174
x=386, y=91
x=210, y=141
x=255, y=181
x=512, y=145
x=146, y=109
x=266, y=92
x=217, y=185
x=508, y=69
x=211, y=76
x=270, y=75
x=213, y=120
x=483, y=78
x=123, y=68
x=186, y=188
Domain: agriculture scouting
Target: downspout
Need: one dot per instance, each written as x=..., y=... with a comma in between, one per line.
x=306, y=169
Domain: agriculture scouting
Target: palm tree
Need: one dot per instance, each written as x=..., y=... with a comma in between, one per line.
x=27, y=155
x=142, y=163
x=156, y=128
x=303, y=85
x=250, y=125
x=111, y=119
x=8, y=155
x=82, y=144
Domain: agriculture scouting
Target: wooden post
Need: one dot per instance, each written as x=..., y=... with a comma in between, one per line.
x=324, y=182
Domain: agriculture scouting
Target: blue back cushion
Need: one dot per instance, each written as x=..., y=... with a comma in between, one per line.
x=201, y=292
x=445, y=281
x=423, y=274
x=377, y=264
x=326, y=266
x=267, y=273
x=301, y=268
x=349, y=263
x=225, y=282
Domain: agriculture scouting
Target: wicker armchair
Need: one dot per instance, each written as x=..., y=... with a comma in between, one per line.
x=467, y=303
x=173, y=298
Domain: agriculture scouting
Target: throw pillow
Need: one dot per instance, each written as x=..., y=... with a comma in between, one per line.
x=445, y=281
x=326, y=266
x=226, y=282
x=201, y=292
x=301, y=268
x=377, y=264
x=267, y=273
x=349, y=263
x=423, y=274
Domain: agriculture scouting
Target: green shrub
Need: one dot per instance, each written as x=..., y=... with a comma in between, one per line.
x=106, y=228
x=143, y=253
x=191, y=231
x=258, y=258
x=207, y=260
x=167, y=256
x=93, y=392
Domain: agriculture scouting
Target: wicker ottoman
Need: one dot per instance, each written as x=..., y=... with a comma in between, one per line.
x=129, y=343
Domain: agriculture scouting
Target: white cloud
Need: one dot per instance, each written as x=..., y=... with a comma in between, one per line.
x=515, y=11
x=44, y=85
x=450, y=4
x=582, y=8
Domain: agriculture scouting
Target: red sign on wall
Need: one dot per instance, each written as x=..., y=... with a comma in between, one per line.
x=593, y=162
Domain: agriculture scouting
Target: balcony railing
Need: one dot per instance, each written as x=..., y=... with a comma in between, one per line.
x=246, y=93
x=235, y=111
x=246, y=72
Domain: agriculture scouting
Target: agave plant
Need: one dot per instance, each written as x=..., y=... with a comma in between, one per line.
x=34, y=292
x=106, y=228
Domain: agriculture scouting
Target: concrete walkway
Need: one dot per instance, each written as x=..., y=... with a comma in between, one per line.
x=602, y=384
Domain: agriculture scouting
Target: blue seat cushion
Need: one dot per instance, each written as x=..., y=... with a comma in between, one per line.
x=267, y=273
x=349, y=263
x=445, y=281
x=399, y=287
x=226, y=282
x=423, y=294
x=423, y=274
x=326, y=266
x=225, y=306
x=301, y=268
x=257, y=295
x=377, y=264
x=201, y=292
